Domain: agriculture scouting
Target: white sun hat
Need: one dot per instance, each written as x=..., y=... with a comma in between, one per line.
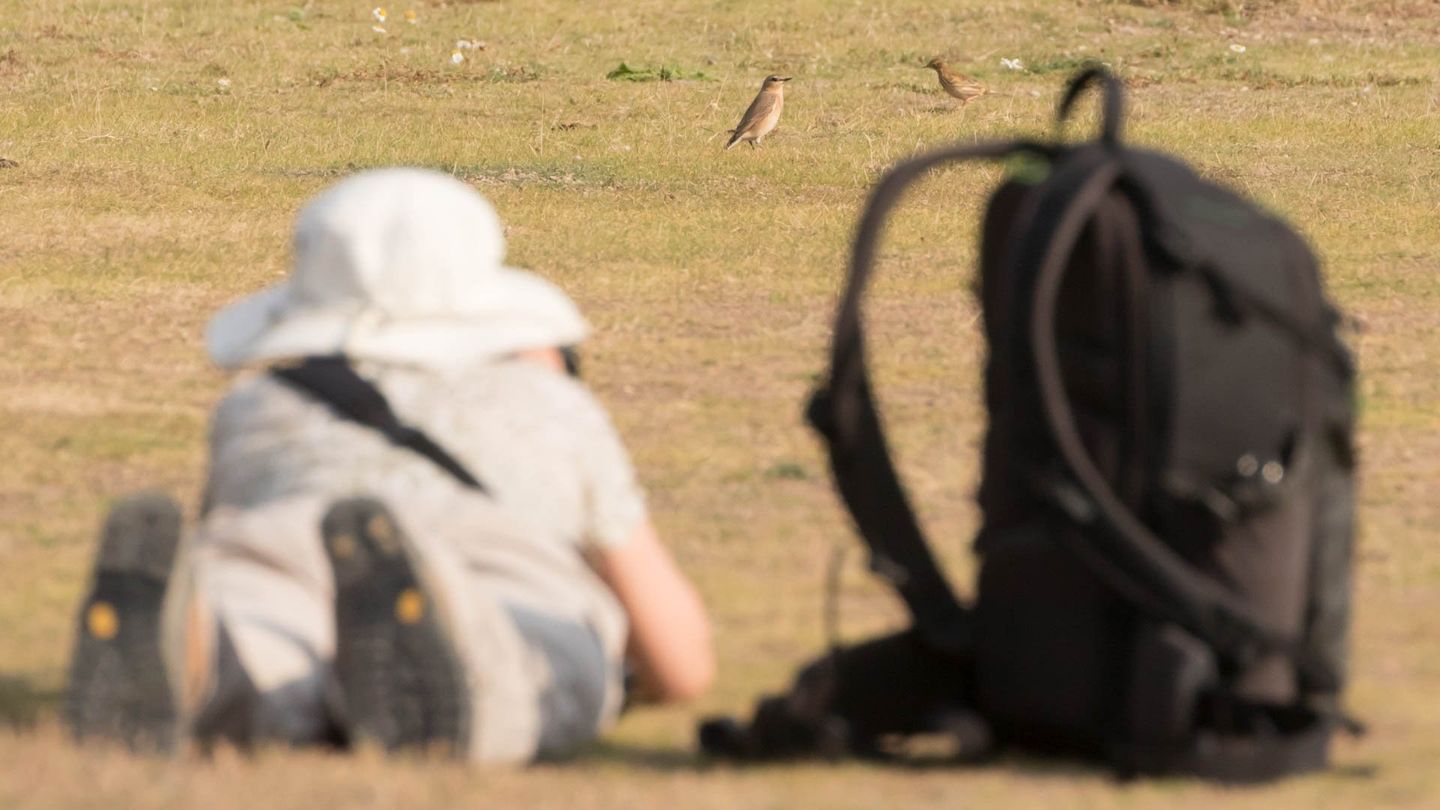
x=400, y=265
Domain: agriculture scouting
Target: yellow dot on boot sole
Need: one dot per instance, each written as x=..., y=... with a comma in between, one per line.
x=101, y=621
x=409, y=606
x=342, y=546
x=382, y=531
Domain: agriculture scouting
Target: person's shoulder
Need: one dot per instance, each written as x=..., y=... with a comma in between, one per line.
x=570, y=407
x=244, y=393
x=546, y=390
x=253, y=397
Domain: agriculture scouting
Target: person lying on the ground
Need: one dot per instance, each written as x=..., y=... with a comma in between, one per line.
x=420, y=529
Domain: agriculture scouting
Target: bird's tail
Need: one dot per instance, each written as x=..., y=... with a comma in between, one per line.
x=734, y=138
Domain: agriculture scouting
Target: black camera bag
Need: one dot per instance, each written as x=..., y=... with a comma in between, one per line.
x=1167, y=480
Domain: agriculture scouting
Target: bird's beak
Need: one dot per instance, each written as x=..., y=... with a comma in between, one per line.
x=782, y=78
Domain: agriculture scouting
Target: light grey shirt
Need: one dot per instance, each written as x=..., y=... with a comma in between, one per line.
x=556, y=472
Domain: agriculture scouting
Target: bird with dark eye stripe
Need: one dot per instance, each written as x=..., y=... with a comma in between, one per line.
x=763, y=114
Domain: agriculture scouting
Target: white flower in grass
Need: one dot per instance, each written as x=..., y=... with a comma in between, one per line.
x=379, y=14
x=1012, y=64
x=411, y=17
x=224, y=83
x=456, y=57
x=1236, y=47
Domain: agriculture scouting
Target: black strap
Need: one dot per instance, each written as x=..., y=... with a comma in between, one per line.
x=843, y=411
x=333, y=381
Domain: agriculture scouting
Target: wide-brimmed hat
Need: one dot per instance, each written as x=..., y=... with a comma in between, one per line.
x=401, y=265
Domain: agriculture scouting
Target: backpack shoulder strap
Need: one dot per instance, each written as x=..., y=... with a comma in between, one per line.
x=334, y=382
x=843, y=412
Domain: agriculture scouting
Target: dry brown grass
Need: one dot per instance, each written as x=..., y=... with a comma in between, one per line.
x=146, y=195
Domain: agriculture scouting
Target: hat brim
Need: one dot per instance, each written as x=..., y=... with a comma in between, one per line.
x=512, y=310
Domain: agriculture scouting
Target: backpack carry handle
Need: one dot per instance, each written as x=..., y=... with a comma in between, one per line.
x=1113, y=110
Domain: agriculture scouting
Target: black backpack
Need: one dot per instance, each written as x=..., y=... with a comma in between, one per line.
x=1167, y=488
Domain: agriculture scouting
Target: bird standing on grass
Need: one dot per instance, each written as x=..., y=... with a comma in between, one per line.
x=763, y=114
x=962, y=87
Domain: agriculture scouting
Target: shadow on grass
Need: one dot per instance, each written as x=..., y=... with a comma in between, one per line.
x=671, y=760
x=643, y=757
x=22, y=703
x=1035, y=766
x=657, y=759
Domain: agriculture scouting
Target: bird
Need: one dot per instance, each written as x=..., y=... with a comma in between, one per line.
x=762, y=115
x=962, y=87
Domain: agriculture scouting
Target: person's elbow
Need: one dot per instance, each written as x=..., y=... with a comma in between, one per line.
x=695, y=678
x=687, y=678
x=670, y=640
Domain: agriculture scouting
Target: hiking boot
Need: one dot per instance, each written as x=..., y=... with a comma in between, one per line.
x=118, y=686
x=401, y=682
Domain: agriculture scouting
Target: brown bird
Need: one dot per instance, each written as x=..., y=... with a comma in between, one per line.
x=962, y=87
x=763, y=114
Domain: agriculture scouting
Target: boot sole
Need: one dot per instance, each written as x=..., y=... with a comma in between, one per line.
x=402, y=682
x=118, y=690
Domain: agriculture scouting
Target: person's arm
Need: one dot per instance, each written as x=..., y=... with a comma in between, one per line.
x=669, y=631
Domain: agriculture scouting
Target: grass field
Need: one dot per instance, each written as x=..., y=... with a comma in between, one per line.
x=162, y=150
